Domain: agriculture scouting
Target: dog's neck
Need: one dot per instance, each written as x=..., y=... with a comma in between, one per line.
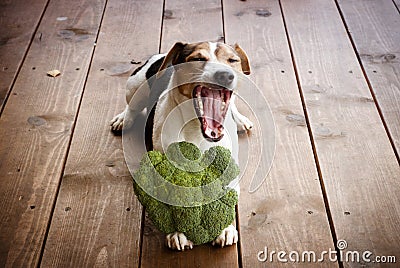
x=176, y=120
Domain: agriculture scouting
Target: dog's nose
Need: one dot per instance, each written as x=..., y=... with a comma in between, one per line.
x=224, y=78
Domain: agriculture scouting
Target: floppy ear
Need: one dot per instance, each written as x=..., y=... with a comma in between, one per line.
x=243, y=58
x=171, y=57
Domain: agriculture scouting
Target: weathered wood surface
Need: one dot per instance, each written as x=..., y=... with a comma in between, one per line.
x=287, y=212
x=374, y=27
x=357, y=163
x=97, y=219
x=36, y=126
x=18, y=25
x=333, y=152
x=191, y=21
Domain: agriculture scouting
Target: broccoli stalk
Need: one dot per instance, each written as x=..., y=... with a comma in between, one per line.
x=186, y=191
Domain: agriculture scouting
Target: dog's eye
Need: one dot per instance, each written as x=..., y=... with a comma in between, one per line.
x=231, y=60
x=198, y=59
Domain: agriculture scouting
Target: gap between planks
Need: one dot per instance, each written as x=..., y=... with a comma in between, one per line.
x=367, y=79
x=40, y=151
x=71, y=136
x=311, y=136
x=19, y=67
x=95, y=161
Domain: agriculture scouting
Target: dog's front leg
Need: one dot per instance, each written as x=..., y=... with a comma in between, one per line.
x=136, y=98
x=242, y=122
x=124, y=119
x=178, y=241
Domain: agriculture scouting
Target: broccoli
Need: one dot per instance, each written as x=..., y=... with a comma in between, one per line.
x=186, y=191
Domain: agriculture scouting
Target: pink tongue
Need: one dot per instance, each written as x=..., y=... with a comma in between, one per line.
x=212, y=102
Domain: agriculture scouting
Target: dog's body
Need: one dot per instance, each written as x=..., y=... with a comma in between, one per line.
x=194, y=102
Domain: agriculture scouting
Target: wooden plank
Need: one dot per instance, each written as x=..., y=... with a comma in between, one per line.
x=189, y=21
x=36, y=126
x=374, y=28
x=97, y=219
x=18, y=25
x=357, y=163
x=288, y=208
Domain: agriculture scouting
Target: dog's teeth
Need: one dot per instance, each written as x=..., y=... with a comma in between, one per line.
x=201, y=106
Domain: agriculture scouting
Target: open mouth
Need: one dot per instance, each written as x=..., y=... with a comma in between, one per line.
x=211, y=105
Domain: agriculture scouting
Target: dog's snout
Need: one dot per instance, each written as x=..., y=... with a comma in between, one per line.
x=224, y=78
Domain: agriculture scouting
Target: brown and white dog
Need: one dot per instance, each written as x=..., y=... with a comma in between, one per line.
x=192, y=102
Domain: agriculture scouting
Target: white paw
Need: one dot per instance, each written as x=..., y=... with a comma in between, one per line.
x=247, y=124
x=178, y=241
x=244, y=124
x=117, y=122
x=228, y=237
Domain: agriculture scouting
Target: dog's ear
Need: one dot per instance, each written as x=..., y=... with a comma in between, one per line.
x=171, y=58
x=243, y=58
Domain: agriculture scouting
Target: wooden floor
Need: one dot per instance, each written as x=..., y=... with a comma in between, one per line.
x=330, y=71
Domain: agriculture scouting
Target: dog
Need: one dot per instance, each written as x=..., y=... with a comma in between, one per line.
x=189, y=94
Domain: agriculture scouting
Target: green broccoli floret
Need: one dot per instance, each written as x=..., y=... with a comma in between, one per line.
x=186, y=191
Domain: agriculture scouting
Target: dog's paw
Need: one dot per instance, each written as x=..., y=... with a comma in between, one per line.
x=243, y=124
x=178, y=241
x=228, y=237
x=117, y=122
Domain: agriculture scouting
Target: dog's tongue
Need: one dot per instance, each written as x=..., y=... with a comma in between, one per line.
x=213, y=116
x=214, y=105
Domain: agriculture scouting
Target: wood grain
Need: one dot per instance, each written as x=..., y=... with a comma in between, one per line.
x=97, y=219
x=36, y=126
x=189, y=21
x=374, y=28
x=18, y=25
x=358, y=165
x=287, y=212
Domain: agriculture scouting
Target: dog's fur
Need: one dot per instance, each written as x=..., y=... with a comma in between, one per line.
x=175, y=100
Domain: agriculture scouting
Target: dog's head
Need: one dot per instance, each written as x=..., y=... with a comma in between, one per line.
x=213, y=78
